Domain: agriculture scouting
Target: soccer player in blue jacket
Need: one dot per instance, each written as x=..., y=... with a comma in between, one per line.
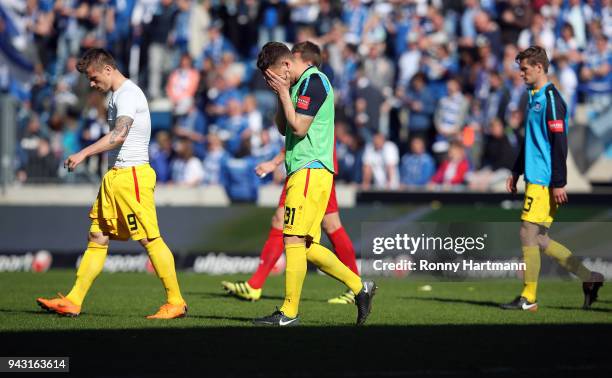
x=542, y=161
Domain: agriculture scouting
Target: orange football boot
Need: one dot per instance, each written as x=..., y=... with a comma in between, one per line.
x=170, y=311
x=60, y=305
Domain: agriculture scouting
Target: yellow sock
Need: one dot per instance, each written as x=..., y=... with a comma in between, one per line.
x=90, y=267
x=565, y=258
x=330, y=264
x=531, y=257
x=295, y=272
x=163, y=262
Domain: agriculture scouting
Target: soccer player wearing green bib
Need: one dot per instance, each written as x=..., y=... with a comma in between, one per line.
x=305, y=116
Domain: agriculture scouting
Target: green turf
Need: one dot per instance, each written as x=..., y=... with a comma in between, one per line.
x=454, y=329
x=120, y=300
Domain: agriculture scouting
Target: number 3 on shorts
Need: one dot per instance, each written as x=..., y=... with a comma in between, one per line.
x=527, y=206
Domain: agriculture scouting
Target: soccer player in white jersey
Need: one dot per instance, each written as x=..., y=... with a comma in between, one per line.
x=125, y=206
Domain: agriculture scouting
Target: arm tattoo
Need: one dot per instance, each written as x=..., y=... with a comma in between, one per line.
x=122, y=128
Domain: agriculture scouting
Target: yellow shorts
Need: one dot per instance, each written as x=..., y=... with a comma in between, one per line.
x=540, y=206
x=308, y=192
x=125, y=207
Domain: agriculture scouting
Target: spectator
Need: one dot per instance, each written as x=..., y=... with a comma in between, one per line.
x=495, y=104
x=369, y=101
x=518, y=95
x=326, y=67
x=70, y=77
x=437, y=36
x=417, y=167
x=449, y=116
x=41, y=166
x=497, y=159
x=597, y=71
x=487, y=58
x=397, y=26
x=347, y=75
x=268, y=147
x=378, y=68
x=182, y=85
x=217, y=45
x=439, y=65
x=421, y=106
x=489, y=30
x=453, y=169
x=41, y=90
x=39, y=25
x=575, y=15
x=349, y=154
x=219, y=95
x=238, y=176
x=374, y=31
x=96, y=35
x=70, y=19
x=606, y=18
x=468, y=31
x=64, y=98
x=120, y=32
x=162, y=156
x=328, y=15
x=213, y=161
x=568, y=82
x=186, y=169
x=159, y=59
x=409, y=61
x=567, y=46
x=516, y=15
x=199, y=22
x=233, y=71
x=537, y=34
x=271, y=18
x=180, y=34
x=508, y=63
x=254, y=121
x=233, y=129
x=29, y=141
x=354, y=16
x=371, y=51
x=380, y=164
x=70, y=134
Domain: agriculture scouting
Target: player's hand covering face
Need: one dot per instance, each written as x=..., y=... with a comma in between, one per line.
x=278, y=81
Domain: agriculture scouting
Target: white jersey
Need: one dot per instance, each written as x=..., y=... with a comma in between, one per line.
x=129, y=100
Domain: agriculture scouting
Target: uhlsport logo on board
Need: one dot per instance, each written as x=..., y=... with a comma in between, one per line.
x=38, y=262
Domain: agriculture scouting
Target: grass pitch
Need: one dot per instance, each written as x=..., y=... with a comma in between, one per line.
x=455, y=329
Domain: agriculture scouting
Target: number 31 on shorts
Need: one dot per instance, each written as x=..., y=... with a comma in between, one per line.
x=289, y=215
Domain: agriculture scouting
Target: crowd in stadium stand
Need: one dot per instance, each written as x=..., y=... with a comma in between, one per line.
x=428, y=93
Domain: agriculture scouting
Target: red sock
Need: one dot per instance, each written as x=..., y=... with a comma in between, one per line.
x=344, y=248
x=271, y=252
